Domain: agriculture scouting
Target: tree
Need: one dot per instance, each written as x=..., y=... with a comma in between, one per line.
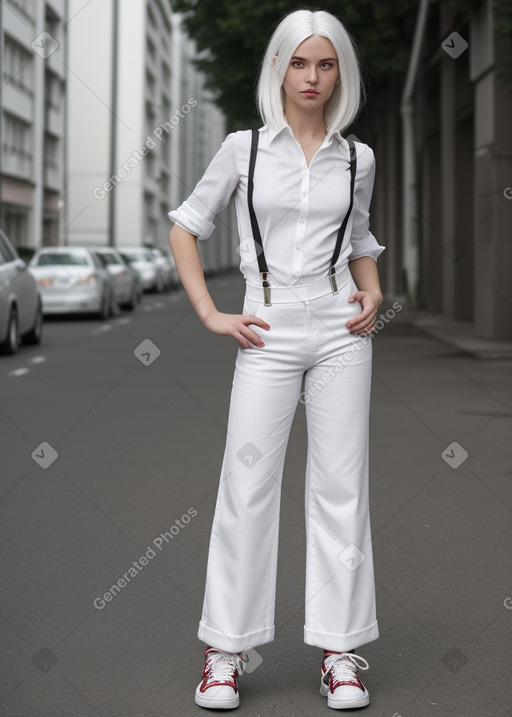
x=235, y=34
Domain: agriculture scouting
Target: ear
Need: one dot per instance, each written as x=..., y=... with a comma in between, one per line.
x=274, y=60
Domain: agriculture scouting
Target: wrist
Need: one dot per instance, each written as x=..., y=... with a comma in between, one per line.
x=377, y=297
x=205, y=311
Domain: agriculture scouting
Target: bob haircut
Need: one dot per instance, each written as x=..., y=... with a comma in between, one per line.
x=342, y=107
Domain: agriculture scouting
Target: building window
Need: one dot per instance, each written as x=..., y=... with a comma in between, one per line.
x=51, y=152
x=52, y=25
x=17, y=66
x=24, y=9
x=17, y=143
x=53, y=92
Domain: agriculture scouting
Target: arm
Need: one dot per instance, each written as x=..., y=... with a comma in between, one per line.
x=190, y=270
x=369, y=294
x=362, y=260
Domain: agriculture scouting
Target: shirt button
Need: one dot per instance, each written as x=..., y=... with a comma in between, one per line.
x=301, y=221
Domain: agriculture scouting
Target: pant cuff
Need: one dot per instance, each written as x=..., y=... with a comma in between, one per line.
x=341, y=643
x=234, y=643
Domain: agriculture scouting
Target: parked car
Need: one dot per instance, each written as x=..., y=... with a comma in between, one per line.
x=127, y=281
x=143, y=260
x=73, y=280
x=166, y=260
x=21, y=312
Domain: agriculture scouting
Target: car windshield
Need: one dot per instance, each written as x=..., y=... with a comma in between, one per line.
x=56, y=257
x=138, y=255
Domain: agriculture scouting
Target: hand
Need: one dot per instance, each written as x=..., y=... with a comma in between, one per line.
x=237, y=326
x=364, y=323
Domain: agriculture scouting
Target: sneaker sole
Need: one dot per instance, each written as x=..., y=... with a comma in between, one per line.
x=362, y=701
x=203, y=700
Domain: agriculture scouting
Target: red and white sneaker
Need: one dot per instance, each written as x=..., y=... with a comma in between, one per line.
x=219, y=687
x=340, y=683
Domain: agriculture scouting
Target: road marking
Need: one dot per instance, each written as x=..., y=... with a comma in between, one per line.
x=101, y=329
x=38, y=359
x=18, y=372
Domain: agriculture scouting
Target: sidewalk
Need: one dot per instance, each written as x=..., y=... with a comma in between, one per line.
x=461, y=335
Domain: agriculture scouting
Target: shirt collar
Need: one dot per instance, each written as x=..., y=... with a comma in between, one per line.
x=274, y=131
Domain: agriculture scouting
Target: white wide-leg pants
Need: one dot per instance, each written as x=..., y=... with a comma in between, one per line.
x=307, y=336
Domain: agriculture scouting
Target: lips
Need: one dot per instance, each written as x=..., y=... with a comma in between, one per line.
x=309, y=92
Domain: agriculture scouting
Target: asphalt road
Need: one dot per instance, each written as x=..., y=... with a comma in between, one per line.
x=112, y=441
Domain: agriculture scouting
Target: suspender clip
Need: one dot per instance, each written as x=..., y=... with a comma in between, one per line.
x=266, y=288
x=332, y=280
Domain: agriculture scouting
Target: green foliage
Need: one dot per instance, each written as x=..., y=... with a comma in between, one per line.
x=236, y=32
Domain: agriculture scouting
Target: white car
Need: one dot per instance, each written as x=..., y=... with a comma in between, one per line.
x=72, y=280
x=143, y=260
x=21, y=315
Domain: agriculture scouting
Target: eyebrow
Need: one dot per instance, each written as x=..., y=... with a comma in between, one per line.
x=295, y=57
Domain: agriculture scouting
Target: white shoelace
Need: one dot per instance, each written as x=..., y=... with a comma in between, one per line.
x=221, y=665
x=344, y=666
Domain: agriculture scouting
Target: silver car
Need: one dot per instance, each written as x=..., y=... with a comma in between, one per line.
x=127, y=282
x=151, y=273
x=166, y=260
x=72, y=280
x=21, y=314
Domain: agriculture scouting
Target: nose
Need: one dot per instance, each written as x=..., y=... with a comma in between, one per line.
x=312, y=74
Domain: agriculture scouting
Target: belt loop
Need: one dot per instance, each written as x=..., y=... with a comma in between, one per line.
x=332, y=280
x=266, y=288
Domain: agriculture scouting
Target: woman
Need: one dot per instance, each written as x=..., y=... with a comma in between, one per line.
x=314, y=324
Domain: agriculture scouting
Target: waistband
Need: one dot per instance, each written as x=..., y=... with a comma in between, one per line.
x=299, y=292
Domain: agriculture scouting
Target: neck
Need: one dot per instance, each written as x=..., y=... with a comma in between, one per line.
x=305, y=125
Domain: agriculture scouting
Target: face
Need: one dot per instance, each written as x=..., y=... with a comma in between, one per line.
x=313, y=66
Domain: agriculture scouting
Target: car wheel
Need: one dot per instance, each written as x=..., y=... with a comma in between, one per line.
x=11, y=342
x=35, y=334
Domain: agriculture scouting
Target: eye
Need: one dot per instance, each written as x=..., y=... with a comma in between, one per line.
x=296, y=62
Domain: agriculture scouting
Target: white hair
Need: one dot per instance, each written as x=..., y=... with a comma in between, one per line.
x=342, y=107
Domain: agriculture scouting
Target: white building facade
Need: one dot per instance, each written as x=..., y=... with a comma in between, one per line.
x=32, y=120
x=141, y=128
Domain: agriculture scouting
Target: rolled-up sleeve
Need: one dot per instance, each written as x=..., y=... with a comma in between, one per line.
x=212, y=193
x=362, y=240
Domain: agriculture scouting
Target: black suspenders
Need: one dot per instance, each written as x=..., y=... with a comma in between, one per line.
x=262, y=263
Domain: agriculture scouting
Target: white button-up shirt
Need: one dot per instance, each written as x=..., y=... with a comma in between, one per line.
x=299, y=208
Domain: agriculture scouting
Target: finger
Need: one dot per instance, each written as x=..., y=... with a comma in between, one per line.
x=356, y=296
x=363, y=317
x=250, y=319
x=359, y=325
x=251, y=336
x=242, y=340
x=367, y=329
